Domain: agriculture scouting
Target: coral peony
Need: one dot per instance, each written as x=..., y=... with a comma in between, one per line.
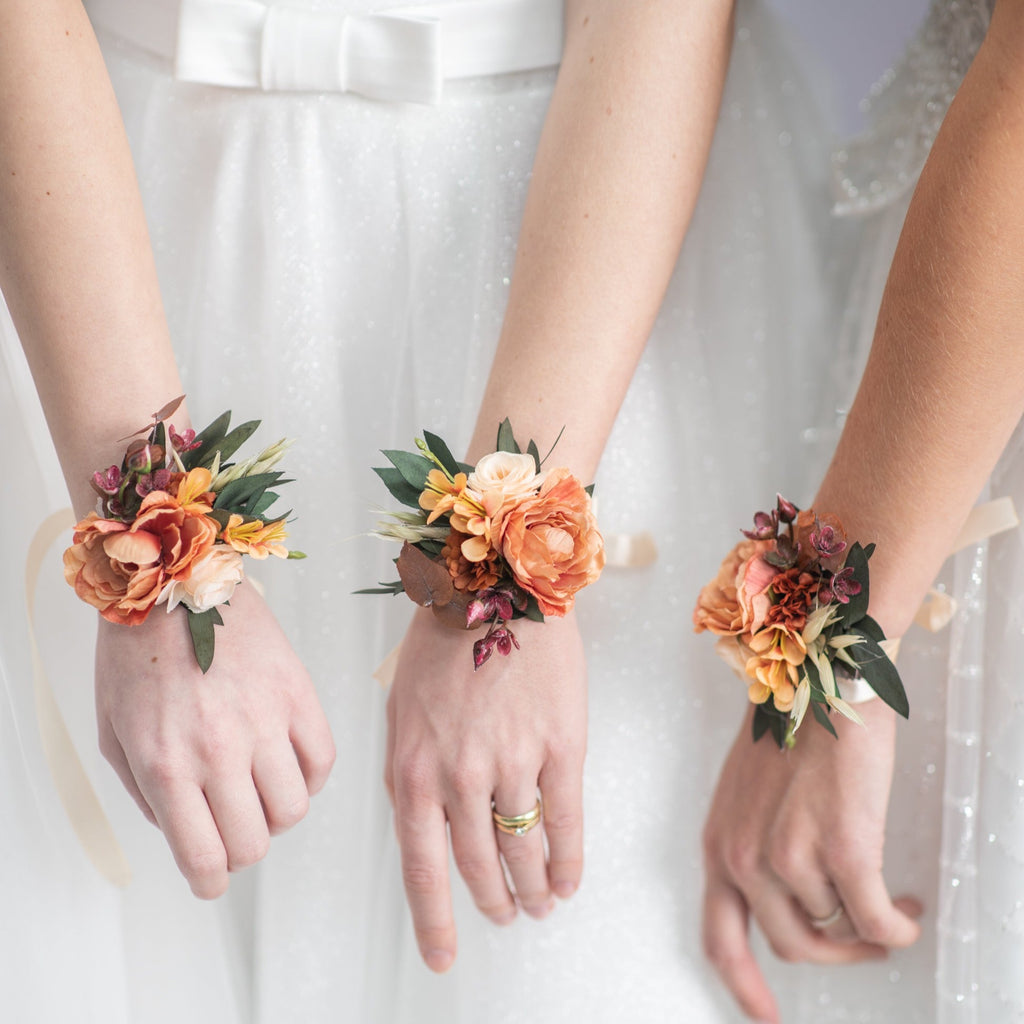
x=718, y=606
x=552, y=543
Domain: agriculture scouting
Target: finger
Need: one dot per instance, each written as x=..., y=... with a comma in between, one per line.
x=561, y=786
x=476, y=855
x=813, y=893
x=871, y=911
x=114, y=753
x=187, y=823
x=727, y=947
x=281, y=786
x=791, y=935
x=423, y=839
x=524, y=854
x=314, y=746
x=237, y=810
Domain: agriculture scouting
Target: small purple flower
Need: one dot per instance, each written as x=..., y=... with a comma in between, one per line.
x=827, y=542
x=183, y=442
x=491, y=602
x=786, y=510
x=785, y=554
x=766, y=525
x=840, y=588
x=107, y=483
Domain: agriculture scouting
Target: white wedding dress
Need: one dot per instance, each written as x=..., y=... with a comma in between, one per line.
x=338, y=266
x=955, y=836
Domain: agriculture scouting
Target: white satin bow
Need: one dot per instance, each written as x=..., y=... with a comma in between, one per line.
x=399, y=54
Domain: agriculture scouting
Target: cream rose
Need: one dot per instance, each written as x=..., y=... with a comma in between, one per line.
x=513, y=476
x=212, y=582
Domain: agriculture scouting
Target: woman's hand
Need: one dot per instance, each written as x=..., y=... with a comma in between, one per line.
x=458, y=740
x=222, y=761
x=794, y=835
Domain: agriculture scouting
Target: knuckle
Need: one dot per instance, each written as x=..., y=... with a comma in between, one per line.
x=518, y=853
x=414, y=778
x=422, y=879
x=874, y=927
x=741, y=860
x=786, y=860
x=721, y=954
x=466, y=780
x=250, y=852
x=285, y=816
x=785, y=950
x=474, y=870
x=564, y=823
x=512, y=767
x=321, y=763
x=206, y=872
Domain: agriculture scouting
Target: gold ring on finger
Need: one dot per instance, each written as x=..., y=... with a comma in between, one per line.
x=517, y=825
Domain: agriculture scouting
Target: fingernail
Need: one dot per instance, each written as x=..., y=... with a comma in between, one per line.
x=438, y=960
x=563, y=890
x=504, y=919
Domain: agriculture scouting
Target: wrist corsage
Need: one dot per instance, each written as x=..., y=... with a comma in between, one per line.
x=789, y=606
x=489, y=543
x=174, y=520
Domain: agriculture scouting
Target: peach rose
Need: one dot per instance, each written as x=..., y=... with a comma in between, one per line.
x=120, y=569
x=552, y=544
x=212, y=581
x=718, y=604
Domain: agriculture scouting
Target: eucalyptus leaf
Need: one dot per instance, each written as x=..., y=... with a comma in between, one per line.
x=822, y=718
x=506, y=439
x=414, y=468
x=532, y=610
x=881, y=675
x=231, y=442
x=531, y=449
x=760, y=723
x=441, y=450
x=857, y=607
x=383, y=588
x=869, y=627
x=200, y=626
x=400, y=488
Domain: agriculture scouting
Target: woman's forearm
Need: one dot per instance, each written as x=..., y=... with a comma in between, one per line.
x=614, y=185
x=75, y=261
x=944, y=385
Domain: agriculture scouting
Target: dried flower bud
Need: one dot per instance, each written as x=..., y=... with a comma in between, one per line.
x=787, y=512
x=108, y=483
x=766, y=525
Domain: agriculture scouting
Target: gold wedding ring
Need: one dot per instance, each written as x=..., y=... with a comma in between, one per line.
x=824, y=922
x=518, y=825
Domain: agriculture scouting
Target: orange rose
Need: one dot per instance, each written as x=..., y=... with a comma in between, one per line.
x=552, y=544
x=718, y=604
x=121, y=569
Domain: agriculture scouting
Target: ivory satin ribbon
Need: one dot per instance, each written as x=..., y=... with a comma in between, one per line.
x=81, y=804
x=76, y=793
x=399, y=54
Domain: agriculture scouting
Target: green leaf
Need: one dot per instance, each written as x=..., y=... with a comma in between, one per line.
x=813, y=675
x=394, y=589
x=258, y=506
x=589, y=489
x=441, y=450
x=506, y=439
x=822, y=717
x=160, y=435
x=869, y=550
x=881, y=674
x=237, y=494
x=869, y=627
x=200, y=626
x=414, y=468
x=778, y=725
x=857, y=607
x=233, y=441
x=532, y=610
x=209, y=438
x=531, y=449
x=401, y=490
x=760, y=723
x=220, y=516
x=297, y=555
x=431, y=547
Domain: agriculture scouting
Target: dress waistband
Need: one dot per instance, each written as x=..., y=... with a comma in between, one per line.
x=401, y=54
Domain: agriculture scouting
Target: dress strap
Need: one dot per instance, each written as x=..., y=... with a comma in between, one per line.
x=399, y=54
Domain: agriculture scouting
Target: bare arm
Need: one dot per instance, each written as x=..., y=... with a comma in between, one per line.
x=615, y=182
x=942, y=391
x=221, y=761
